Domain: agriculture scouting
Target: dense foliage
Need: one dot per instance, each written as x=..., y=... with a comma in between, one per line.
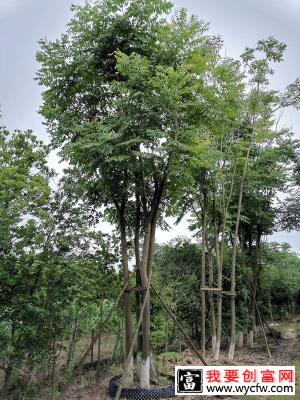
x=177, y=270
x=153, y=121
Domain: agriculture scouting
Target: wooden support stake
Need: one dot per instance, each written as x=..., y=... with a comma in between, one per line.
x=208, y=289
x=228, y=293
x=260, y=320
x=271, y=332
x=189, y=340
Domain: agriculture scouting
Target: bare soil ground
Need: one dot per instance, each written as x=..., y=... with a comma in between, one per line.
x=288, y=353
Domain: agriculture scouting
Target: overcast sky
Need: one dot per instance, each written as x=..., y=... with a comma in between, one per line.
x=240, y=23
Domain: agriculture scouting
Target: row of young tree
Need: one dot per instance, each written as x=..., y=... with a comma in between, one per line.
x=177, y=268
x=153, y=121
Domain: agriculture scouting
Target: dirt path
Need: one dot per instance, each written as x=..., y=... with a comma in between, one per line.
x=288, y=352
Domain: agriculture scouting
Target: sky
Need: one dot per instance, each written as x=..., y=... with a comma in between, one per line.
x=239, y=22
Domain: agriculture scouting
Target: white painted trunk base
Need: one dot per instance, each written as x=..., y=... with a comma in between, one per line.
x=216, y=354
x=145, y=374
x=129, y=376
x=255, y=331
x=154, y=377
x=231, y=351
x=213, y=344
x=250, y=339
x=240, y=339
x=139, y=365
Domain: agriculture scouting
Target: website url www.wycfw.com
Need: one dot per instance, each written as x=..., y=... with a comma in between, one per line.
x=235, y=380
x=257, y=389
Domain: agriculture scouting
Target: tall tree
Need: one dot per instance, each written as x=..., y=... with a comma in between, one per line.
x=261, y=104
x=125, y=98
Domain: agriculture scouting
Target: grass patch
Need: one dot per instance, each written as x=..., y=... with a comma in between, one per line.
x=116, y=370
x=164, y=360
x=163, y=379
x=170, y=356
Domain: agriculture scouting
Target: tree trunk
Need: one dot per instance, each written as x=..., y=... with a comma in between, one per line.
x=118, y=340
x=233, y=265
x=138, y=293
x=250, y=339
x=203, y=267
x=212, y=304
x=53, y=370
x=127, y=300
x=216, y=353
x=240, y=339
x=203, y=280
x=145, y=366
x=255, y=280
x=72, y=342
x=233, y=328
x=99, y=340
x=153, y=368
x=92, y=349
x=145, y=270
x=167, y=336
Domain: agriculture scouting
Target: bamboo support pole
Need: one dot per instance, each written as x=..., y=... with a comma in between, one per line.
x=270, y=330
x=261, y=323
